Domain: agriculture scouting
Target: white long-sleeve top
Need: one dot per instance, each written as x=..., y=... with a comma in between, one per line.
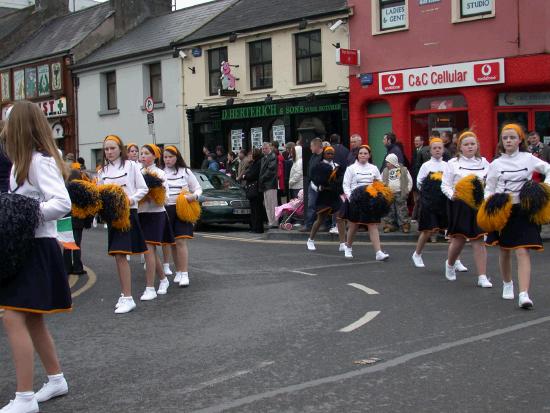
x=182, y=179
x=433, y=165
x=508, y=173
x=147, y=205
x=45, y=184
x=359, y=174
x=128, y=177
x=460, y=167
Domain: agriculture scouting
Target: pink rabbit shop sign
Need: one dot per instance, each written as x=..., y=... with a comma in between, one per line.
x=227, y=80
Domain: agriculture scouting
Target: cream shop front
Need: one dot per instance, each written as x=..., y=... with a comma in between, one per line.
x=246, y=126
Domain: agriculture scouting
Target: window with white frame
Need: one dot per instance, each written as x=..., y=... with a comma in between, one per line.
x=466, y=10
x=261, y=75
x=215, y=59
x=389, y=16
x=309, y=58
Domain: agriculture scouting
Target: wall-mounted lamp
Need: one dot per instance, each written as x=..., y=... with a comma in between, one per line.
x=192, y=69
x=232, y=37
x=310, y=97
x=268, y=98
x=302, y=25
x=230, y=101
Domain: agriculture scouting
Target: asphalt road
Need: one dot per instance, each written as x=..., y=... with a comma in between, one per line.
x=259, y=330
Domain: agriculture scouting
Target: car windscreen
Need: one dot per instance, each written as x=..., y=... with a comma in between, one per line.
x=215, y=181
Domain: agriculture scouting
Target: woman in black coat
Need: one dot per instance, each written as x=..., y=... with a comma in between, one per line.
x=251, y=176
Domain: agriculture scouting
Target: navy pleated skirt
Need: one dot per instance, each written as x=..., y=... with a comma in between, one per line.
x=181, y=229
x=463, y=221
x=127, y=242
x=156, y=228
x=519, y=232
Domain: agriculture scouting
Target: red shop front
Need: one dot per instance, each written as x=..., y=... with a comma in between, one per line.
x=480, y=95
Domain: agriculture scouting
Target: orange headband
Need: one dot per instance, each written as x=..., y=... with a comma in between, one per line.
x=154, y=149
x=128, y=146
x=517, y=128
x=76, y=165
x=367, y=147
x=463, y=135
x=172, y=148
x=436, y=140
x=328, y=149
x=113, y=138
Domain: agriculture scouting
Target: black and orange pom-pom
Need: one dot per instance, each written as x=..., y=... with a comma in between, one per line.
x=157, y=191
x=431, y=195
x=470, y=191
x=494, y=212
x=535, y=202
x=187, y=211
x=85, y=198
x=115, y=208
x=370, y=203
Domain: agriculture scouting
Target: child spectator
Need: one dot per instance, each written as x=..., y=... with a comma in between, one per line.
x=399, y=180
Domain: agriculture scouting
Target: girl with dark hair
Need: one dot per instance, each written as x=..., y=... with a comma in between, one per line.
x=41, y=285
x=154, y=222
x=133, y=152
x=117, y=170
x=180, y=179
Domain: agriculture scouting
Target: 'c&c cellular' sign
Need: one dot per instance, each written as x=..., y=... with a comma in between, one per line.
x=480, y=73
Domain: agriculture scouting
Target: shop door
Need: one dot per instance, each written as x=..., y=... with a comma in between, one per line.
x=378, y=127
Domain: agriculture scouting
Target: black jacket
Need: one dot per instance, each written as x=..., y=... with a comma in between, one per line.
x=5, y=170
x=313, y=161
x=341, y=155
x=268, y=173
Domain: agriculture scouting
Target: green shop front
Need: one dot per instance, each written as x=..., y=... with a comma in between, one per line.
x=247, y=125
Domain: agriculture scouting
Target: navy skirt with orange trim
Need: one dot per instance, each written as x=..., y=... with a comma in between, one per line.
x=42, y=285
x=519, y=232
x=430, y=219
x=156, y=228
x=127, y=242
x=463, y=221
x=181, y=229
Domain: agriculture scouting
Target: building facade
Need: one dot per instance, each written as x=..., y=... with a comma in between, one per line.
x=449, y=65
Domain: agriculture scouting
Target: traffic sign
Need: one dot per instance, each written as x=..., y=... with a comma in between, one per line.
x=149, y=104
x=150, y=118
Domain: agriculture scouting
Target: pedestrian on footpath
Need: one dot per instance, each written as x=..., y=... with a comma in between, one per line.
x=316, y=147
x=361, y=173
x=133, y=152
x=267, y=183
x=180, y=178
x=251, y=176
x=399, y=180
x=509, y=173
x=154, y=221
x=41, y=285
x=468, y=169
x=118, y=170
x=296, y=178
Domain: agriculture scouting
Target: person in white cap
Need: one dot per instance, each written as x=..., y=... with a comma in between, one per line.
x=399, y=180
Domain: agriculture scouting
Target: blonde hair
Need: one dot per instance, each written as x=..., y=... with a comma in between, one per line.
x=27, y=130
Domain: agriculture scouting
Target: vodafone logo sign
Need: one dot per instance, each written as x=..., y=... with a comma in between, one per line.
x=487, y=72
x=392, y=82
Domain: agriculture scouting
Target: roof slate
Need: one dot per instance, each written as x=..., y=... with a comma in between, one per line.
x=60, y=35
x=158, y=32
x=13, y=19
x=250, y=14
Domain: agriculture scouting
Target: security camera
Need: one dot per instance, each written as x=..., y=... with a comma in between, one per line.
x=182, y=54
x=336, y=24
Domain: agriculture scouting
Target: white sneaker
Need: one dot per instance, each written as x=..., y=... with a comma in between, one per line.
x=149, y=294
x=167, y=270
x=348, y=251
x=508, y=290
x=21, y=406
x=119, y=300
x=460, y=267
x=311, y=245
x=342, y=247
x=142, y=259
x=126, y=304
x=163, y=286
x=382, y=256
x=524, y=301
x=333, y=230
x=417, y=259
x=127, y=258
x=51, y=389
x=450, y=272
x=184, y=282
x=483, y=282
x=105, y=226
x=177, y=277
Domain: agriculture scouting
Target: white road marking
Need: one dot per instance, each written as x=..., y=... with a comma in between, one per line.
x=303, y=272
x=364, y=288
x=361, y=322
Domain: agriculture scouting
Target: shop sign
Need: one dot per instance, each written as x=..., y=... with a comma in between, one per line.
x=485, y=72
x=279, y=135
x=6, y=87
x=523, y=99
x=366, y=79
x=58, y=131
x=54, y=107
x=393, y=16
x=228, y=81
x=236, y=140
x=424, y=2
x=257, y=137
x=265, y=111
x=348, y=57
x=196, y=52
x=475, y=7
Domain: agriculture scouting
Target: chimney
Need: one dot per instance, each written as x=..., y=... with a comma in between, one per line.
x=130, y=13
x=50, y=9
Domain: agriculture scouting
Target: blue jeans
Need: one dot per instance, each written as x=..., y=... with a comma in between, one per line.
x=311, y=209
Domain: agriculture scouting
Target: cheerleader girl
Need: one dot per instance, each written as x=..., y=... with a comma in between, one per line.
x=362, y=172
x=40, y=286
x=155, y=225
x=133, y=152
x=507, y=174
x=326, y=178
x=179, y=178
x=462, y=217
x=118, y=170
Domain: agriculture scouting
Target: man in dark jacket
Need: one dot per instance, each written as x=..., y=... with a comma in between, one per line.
x=392, y=146
x=268, y=182
x=341, y=153
x=355, y=141
x=316, y=146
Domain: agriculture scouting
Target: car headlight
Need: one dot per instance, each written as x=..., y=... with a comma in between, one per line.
x=214, y=203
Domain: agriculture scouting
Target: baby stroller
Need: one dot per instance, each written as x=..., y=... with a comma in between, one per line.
x=289, y=212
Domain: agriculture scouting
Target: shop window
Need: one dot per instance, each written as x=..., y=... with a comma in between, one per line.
x=437, y=103
x=467, y=10
x=110, y=78
x=155, y=82
x=389, y=16
x=261, y=75
x=215, y=59
x=308, y=57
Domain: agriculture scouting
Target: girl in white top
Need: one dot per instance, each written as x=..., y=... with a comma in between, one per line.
x=361, y=173
x=41, y=285
x=155, y=225
x=179, y=178
x=507, y=174
x=133, y=152
x=118, y=170
x=430, y=221
x=462, y=218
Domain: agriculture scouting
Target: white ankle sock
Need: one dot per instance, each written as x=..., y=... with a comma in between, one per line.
x=184, y=273
x=24, y=395
x=507, y=283
x=55, y=377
